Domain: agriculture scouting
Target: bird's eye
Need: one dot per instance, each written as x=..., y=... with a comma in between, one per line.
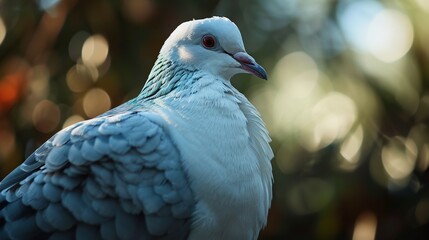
x=208, y=41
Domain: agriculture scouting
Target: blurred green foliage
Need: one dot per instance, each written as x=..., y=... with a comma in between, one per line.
x=347, y=102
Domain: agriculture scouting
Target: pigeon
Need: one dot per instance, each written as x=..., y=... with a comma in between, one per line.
x=188, y=158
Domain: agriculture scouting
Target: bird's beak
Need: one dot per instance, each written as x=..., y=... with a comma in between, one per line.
x=249, y=64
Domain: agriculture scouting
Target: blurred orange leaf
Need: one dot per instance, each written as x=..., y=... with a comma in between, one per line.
x=11, y=87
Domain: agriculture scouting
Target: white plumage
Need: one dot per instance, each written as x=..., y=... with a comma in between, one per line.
x=202, y=170
x=220, y=134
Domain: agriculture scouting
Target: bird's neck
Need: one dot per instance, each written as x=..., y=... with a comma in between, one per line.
x=165, y=77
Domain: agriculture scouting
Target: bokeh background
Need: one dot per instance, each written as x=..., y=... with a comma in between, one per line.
x=347, y=101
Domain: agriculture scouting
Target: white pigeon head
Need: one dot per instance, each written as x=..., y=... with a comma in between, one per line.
x=213, y=45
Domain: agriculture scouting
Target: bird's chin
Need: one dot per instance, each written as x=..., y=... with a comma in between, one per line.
x=229, y=72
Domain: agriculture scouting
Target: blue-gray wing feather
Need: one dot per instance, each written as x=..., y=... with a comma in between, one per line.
x=118, y=176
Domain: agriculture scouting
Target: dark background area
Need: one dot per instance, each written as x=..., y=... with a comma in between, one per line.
x=346, y=103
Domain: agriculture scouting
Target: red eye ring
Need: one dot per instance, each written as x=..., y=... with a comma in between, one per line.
x=208, y=41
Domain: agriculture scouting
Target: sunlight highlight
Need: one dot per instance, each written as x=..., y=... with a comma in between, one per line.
x=2, y=30
x=330, y=119
x=423, y=4
x=354, y=18
x=95, y=102
x=81, y=77
x=390, y=35
x=95, y=50
x=365, y=227
x=350, y=149
x=399, y=158
x=296, y=79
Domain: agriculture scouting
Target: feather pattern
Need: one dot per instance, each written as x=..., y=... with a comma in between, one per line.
x=60, y=204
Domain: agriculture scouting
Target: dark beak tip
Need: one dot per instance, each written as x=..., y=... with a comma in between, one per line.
x=264, y=75
x=258, y=71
